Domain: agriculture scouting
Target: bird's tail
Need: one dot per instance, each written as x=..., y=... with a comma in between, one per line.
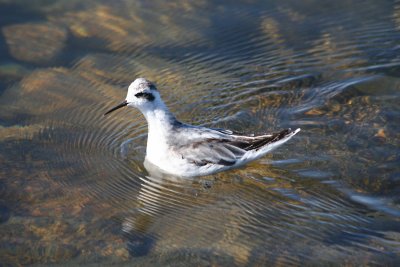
x=275, y=141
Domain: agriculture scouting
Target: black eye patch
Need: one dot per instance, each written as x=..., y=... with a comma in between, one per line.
x=148, y=96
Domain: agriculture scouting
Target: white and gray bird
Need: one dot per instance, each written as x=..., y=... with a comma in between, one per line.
x=186, y=150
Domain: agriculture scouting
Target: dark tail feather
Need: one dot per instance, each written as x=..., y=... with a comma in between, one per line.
x=258, y=143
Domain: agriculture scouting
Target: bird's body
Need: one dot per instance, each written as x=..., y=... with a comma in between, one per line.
x=186, y=150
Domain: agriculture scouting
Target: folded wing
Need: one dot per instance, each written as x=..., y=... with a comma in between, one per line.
x=227, y=149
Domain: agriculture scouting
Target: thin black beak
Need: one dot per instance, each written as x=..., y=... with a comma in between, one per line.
x=123, y=104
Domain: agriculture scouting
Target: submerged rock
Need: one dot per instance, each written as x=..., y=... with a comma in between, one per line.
x=51, y=90
x=125, y=27
x=38, y=43
x=17, y=132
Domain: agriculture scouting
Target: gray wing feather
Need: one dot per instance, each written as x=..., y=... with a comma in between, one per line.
x=212, y=151
x=216, y=147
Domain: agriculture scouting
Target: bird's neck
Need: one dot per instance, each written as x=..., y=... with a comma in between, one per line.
x=160, y=120
x=161, y=123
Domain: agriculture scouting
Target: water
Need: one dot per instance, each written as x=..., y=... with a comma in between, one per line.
x=73, y=188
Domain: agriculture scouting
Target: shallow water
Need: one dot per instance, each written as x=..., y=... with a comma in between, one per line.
x=73, y=187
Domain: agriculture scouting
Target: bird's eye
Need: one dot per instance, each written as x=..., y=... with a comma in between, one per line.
x=145, y=95
x=139, y=94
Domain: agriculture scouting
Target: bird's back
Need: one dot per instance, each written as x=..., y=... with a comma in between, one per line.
x=202, y=151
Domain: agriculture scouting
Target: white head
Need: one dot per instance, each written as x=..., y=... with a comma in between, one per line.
x=142, y=94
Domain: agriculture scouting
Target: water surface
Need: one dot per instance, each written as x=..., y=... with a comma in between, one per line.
x=73, y=187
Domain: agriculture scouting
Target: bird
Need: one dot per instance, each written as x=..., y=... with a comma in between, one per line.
x=185, y=150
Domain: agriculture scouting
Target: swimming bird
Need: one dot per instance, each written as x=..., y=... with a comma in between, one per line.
x=185, y=150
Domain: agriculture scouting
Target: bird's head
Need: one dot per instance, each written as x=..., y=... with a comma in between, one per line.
x=142, y=94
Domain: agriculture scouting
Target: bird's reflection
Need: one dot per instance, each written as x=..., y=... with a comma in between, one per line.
x=159, y=194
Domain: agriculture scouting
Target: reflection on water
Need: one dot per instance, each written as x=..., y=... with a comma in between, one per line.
x=73, y=185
